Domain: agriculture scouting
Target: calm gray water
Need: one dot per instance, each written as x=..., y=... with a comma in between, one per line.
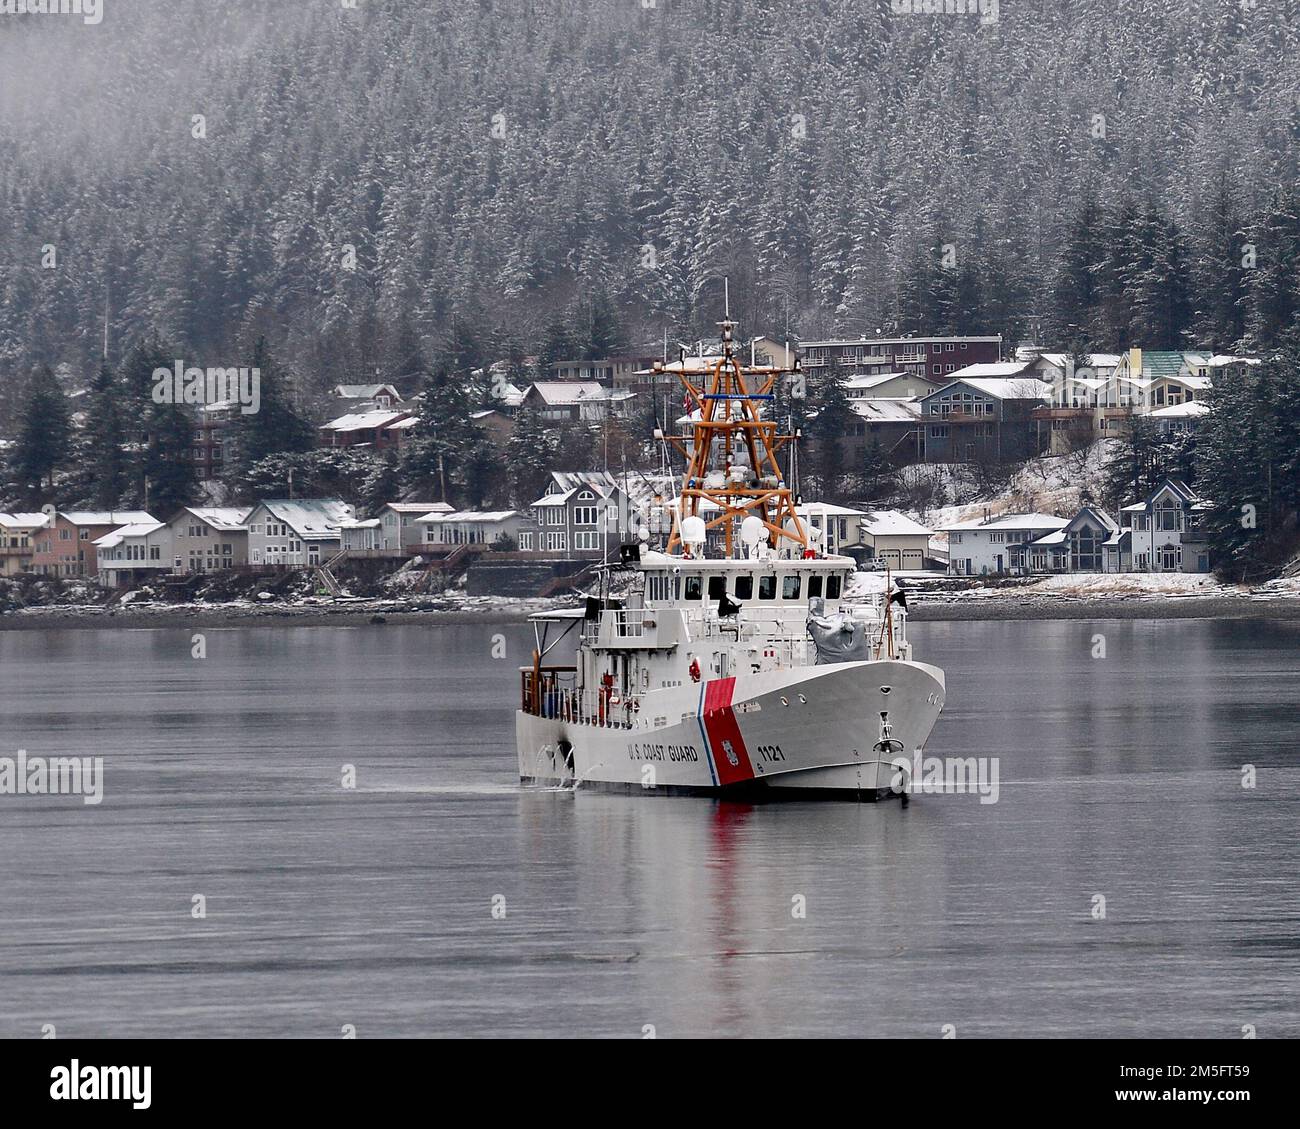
x=1120, y=776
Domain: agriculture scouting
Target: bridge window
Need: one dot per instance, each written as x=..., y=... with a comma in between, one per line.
x=717, y=587
x=833, y=587
x=790, y=587
x=694, y=587
x=767, y=587
x=814, y=587
x=745, y=587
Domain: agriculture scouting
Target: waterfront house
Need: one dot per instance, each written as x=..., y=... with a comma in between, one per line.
x=209, y=538
x=1166, y=531
x=300, y=532
x=360, y=536
x=483, y=528
x=1078, y=546
x=983, y=547
x=581, y=515
x=18, y=536
x=134, y=554
x=65, y=546
x=400, y=528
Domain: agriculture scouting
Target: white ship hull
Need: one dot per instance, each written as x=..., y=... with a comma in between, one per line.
x=799, y=732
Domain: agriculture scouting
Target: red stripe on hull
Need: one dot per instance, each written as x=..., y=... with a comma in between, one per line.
x=730, y=757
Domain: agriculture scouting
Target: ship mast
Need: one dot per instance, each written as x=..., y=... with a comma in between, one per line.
x=729, y=398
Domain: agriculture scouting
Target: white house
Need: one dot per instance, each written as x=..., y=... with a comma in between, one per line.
x=399, y=529
x=360, y=536
x=301, y=531
x=134, y=554
x=1165, y=533
x=978, y=548
x=470, y=527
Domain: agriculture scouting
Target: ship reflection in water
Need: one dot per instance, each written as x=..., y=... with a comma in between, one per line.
x=617, y=916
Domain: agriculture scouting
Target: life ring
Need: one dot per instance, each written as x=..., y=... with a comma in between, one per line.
x=614, y=700
x=694, y=670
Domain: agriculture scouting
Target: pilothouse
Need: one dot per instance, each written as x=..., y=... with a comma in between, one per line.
x=733, y=658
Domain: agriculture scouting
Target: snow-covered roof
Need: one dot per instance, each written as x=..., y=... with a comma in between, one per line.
x=826, y=509
x=560, y=392
x=854, y=383
x=107, y=517
x=365, y=391
x=554, y=499
x=365, y=421
x=1011, y=388
x=228, y=519
x=369, y=523
x=310, y=518
x=1222, y=360
x=995, y=369
x=1049, y=539
x=1011, y=521
x=600, y=482
x=418, y=507
x=887, y=410
x=467, y=515
x=139, y=529
x=891, y=523
x=1089, y=360
x=1188, y=410
x=23, y=520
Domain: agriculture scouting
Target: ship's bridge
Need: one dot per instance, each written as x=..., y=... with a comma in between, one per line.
x=687, y=582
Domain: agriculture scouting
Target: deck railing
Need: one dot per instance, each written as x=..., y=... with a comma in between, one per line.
x=544, y=696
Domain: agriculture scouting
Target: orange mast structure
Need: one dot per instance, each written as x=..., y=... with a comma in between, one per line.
x=728, y=398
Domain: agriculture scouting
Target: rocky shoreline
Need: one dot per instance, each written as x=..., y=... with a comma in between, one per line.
x=381, y=613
